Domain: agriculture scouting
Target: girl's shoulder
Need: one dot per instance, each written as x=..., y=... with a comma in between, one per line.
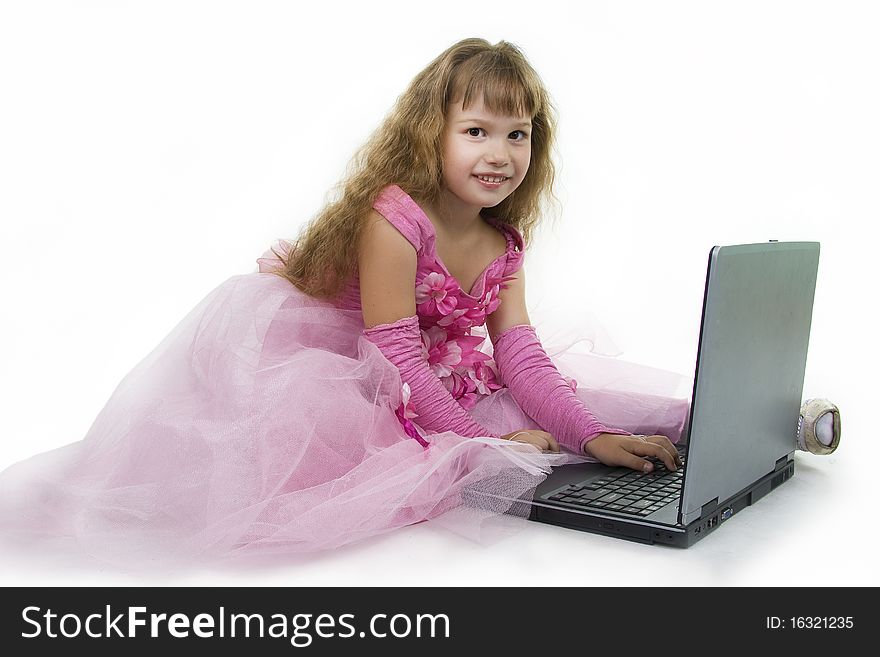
x=514, y=238
x=515, y=252
x=404, y=213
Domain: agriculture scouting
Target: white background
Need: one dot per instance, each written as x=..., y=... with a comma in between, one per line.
x=149, y=151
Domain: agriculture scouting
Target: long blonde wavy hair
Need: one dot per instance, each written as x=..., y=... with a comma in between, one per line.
x=406, y=151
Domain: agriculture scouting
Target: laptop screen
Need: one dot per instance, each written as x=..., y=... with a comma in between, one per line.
x=751, y=359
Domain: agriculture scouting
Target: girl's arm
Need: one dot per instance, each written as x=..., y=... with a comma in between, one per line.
x=536, y=384
x=387, y=271
x=545, y=395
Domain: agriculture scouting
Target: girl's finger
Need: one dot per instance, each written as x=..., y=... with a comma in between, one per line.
x=630, y=460
x=666, y=444
x=652, y=449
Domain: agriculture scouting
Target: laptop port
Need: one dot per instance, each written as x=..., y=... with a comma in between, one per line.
x=726, y=514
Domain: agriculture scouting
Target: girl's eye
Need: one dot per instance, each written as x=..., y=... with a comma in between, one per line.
x=516, y=135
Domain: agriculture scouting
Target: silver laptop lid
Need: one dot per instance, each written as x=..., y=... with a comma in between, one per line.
x=752, y=354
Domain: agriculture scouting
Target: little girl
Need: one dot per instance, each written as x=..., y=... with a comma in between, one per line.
x=347, y=387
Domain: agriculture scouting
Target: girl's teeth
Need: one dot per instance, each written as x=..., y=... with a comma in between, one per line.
x=492, y=180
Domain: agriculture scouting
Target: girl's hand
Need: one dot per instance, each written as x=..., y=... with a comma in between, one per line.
x=540, y=439
x=613, y=449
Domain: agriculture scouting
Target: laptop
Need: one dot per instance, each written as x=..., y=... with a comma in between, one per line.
x=739, y=441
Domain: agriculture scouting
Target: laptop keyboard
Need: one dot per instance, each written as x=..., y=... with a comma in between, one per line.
x=627, y=491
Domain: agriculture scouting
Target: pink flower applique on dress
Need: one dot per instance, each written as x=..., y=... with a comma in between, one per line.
x=436, y=294
x=404, y=413
x=461, y=366
x=468, y=347
x=463, y=319
x=490, y=300
x=442, y=354
x=447, y=317
x=481, y=380
x=456, y=384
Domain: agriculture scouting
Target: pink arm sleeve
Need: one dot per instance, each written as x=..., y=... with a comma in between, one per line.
x=542, y=392
x=401, y=343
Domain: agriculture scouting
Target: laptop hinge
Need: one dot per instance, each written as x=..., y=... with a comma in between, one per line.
x=781, y=463
x=708, y=508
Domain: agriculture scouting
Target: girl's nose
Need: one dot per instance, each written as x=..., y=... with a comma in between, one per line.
x=497, y=157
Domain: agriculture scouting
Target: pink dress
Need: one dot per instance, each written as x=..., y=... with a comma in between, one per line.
x=266, y=423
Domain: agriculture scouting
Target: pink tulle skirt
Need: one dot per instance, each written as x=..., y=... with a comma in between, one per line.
x=264, y=424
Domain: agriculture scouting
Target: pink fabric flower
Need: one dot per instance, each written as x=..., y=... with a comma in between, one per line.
x=485, y=378
x=472, y=393
x=409, y=427
x=451, y=321
x=490, y=300
x=408, y=411
x=468, y=384
x=404, y=412
x=464, y=318
x=442, y=354
x=468, y=349
x=455, y=384
x=436, y=294
x=469, y=400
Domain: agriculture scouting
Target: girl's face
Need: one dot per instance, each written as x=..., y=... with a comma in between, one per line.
x=485, y=156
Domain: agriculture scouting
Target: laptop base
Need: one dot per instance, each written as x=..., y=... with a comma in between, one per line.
x=650, y=533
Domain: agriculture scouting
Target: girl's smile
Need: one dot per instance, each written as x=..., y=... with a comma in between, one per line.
x=491, y=182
